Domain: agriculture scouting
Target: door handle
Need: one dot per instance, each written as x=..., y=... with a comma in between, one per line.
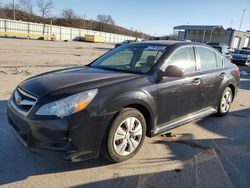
x=196, y=81
x=222, y=75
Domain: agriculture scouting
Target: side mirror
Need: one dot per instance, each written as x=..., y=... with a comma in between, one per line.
x=173, y=71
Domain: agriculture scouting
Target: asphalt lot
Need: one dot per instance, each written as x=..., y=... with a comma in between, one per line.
x=212, y=152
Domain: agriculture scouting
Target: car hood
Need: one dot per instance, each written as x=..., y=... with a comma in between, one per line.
x=72, y=80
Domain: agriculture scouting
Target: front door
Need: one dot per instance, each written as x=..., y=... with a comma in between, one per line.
x=178, y=97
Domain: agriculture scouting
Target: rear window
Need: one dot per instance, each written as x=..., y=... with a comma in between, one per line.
x=219, y=60
x=207, y=58
x=218, y=48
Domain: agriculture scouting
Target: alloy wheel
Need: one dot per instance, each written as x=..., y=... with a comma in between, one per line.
x=127, y=136
x=226, y=101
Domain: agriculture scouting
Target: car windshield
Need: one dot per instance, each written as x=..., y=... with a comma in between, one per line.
x=243, y=52
x=131, y=58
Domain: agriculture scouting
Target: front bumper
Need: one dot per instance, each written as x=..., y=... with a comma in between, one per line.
x=74, y=138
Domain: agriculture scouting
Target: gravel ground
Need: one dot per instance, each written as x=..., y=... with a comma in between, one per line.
x=213, y=152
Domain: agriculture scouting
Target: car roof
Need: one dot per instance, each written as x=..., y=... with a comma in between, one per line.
x=169, y=42
x=162, y=42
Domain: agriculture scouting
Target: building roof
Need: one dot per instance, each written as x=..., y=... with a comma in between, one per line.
x=200, y=27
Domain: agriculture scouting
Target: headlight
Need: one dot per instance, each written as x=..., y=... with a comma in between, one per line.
x=68, y=105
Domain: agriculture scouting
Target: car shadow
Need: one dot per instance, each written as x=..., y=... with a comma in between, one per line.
x=212, y=162
x=232, y=148
x=218, y=159
x=245, y=84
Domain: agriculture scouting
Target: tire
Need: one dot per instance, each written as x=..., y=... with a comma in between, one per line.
x=225, y=102
x=123, y=141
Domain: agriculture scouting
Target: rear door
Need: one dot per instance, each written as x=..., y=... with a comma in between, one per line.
x=212, y=74
x=178, y=97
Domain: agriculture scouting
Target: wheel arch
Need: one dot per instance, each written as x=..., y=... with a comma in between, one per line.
x=147, y=115
x=142, y=101
x=232, y=87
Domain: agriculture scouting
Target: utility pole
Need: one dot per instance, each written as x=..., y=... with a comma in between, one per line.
x=84, y=21
x=131, y=31
x=242, y=17
x=14, y=10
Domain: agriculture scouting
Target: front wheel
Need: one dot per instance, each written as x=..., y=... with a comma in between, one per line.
x=125, y=136
x=225, y=102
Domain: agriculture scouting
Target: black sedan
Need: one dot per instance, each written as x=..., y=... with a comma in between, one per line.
x=109, y=106
x=241, y=57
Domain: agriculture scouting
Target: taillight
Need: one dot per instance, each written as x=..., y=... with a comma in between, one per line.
x=237, y=71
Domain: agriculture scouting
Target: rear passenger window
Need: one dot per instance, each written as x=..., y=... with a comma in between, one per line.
x=219, y=60
x=183, y=58
x=207, y=58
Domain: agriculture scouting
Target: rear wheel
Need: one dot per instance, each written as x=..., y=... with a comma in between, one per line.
x=126, y=135
x=225, y=102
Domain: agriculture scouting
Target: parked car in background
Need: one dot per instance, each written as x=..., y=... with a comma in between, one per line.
x=245, y=48
x=241, y=57
x=222, y=48
x=109, y=106
x=124, y=42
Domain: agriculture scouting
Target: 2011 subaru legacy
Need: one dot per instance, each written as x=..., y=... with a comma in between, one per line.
x=109, y=106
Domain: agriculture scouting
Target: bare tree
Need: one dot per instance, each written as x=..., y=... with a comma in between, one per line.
x=107, y=19
x=45, y=7
x=68, y=14
x=8, y=6
x=26, y=5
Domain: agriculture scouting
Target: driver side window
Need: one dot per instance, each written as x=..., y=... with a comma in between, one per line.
x=183, y=58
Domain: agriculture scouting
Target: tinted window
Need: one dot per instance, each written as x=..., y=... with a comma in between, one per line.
x=207, y=58
x=219, y=60
x=183, y=58
x=218, y=48
x=149, y=54
x=122, y=58
x=131, y=58
x=243, y=52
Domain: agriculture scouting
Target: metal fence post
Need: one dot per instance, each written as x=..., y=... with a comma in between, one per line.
x=60, y=33
x=70, y=33
x=5, y=27
x=28, y=24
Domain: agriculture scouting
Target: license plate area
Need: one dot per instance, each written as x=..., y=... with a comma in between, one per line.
x=21, y=130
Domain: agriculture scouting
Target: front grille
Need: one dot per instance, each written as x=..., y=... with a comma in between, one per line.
x=22, y=101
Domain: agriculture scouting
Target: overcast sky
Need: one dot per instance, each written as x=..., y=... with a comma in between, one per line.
x=160, y=16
